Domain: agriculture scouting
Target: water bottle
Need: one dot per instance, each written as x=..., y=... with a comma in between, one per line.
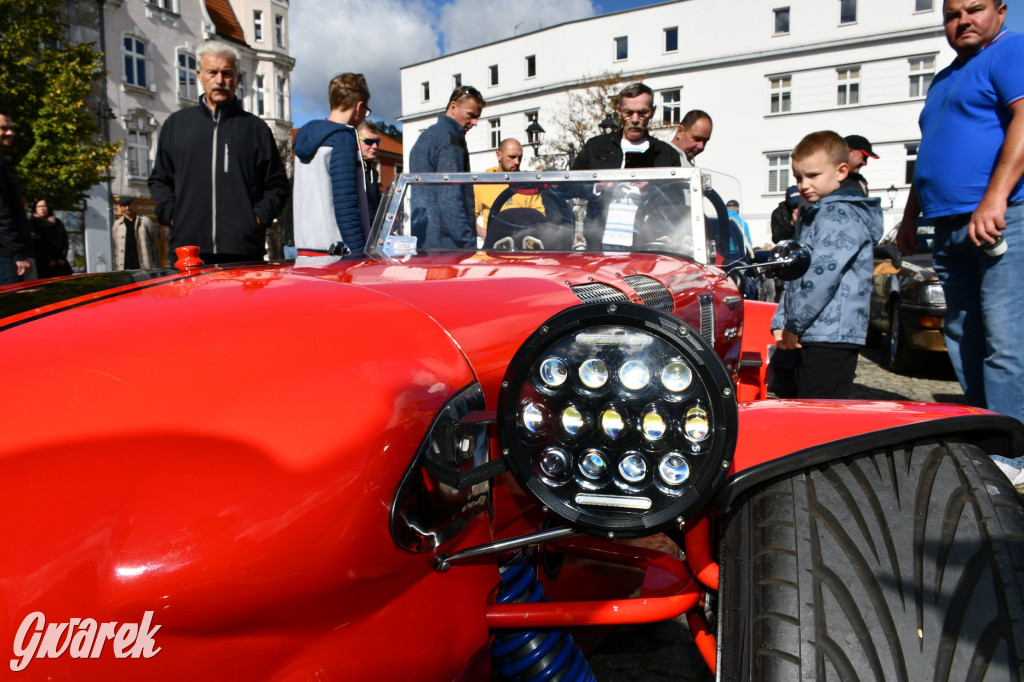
x=996, y=249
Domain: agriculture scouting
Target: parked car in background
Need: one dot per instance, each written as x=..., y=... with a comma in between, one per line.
x=907, y=303
x=424, y=463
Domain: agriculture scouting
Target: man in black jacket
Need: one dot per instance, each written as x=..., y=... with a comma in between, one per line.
x=14, y=251
x=631, y=146
x=218, y=180
x=617, y=149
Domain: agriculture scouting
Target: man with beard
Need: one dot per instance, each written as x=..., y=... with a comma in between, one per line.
x=611, y=208
x=218, y=180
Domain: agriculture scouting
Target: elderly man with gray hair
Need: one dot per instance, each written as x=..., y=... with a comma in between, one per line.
x=218, y=180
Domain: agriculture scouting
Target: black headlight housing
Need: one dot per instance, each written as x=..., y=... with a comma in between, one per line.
x=619, y=418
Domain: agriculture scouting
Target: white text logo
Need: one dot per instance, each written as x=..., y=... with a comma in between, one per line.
x=81, y=638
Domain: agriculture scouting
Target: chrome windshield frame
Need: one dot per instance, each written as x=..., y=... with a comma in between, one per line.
x=387, y=219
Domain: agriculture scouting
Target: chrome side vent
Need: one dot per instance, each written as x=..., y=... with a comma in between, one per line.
x=654, y=294
x=707, y=317
x=598, y=293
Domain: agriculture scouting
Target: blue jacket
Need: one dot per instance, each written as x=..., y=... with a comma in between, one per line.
x=829, y=304
x=333, y=146
x=442, y=215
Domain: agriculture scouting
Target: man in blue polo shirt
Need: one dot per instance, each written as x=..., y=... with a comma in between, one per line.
x=968, y=181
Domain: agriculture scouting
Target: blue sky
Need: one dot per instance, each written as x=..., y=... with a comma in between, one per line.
x=329, y=37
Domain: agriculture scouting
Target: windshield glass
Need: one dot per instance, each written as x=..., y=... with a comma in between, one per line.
x=619, y=210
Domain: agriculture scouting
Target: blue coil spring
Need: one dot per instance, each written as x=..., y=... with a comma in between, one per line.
x=533, y=655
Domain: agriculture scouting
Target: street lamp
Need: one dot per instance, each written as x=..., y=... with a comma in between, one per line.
x=892, y=195
x=572, y=154
x=608, y=125
x=534, y=136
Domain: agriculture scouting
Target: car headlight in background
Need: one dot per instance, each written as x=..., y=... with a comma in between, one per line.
x=931, y=294
x=619, y=418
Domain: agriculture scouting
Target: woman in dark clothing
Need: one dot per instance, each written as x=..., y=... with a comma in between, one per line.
x=50, y=241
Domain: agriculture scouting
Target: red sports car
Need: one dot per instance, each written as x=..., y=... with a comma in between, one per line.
x=427, y=462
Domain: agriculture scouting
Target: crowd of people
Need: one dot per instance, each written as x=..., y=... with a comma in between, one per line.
x=218, y=182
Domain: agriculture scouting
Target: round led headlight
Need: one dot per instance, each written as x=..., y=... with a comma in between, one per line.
x=618, y=418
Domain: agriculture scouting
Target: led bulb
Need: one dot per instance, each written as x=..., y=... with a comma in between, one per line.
x=676, y=376
x=634, y=375
x=696, y=424
x=553, y=372
x=594, y=373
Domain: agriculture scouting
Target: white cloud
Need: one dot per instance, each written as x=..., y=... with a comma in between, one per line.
x=467, y=23
x=329, y=37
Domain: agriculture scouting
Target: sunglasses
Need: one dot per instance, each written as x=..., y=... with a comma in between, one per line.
x=370, y=140
x=463, y=91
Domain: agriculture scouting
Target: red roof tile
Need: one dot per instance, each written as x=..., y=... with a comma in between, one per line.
x=225, y=21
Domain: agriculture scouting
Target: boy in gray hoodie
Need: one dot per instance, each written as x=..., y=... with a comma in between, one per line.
x=824, y=314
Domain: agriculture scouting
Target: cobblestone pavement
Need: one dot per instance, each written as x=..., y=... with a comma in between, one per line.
x=663, y=652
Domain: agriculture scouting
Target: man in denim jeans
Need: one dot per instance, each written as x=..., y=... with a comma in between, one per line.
x=968, y=180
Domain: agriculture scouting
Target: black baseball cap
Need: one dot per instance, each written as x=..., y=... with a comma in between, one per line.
x=860, y=143
x=792, y=196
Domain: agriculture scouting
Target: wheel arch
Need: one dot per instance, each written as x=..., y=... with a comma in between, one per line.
x=992, y=433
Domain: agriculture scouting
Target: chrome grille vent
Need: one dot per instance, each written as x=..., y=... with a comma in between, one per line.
x=598, y=293
x=707, y=317
x=654, y=293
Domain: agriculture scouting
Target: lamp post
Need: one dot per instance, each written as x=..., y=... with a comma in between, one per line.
x=608, y=125
x=534, y=136
x=892, y=191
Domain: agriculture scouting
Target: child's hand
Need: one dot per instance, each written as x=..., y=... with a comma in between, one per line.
x=787, y=340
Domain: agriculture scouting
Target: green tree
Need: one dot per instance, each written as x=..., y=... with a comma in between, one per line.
x=391, y=130
x=46, y=86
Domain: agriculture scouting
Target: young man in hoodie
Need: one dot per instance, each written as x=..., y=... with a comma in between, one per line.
x=329, y=199
x=825, y=313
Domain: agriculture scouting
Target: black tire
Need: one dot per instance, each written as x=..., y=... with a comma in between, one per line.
x=902, y=358
x=906, y=564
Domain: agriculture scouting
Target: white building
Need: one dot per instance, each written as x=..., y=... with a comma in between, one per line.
x=151, y=73
x=767, y=72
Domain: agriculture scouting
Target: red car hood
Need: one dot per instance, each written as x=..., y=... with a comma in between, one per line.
x=490, y=303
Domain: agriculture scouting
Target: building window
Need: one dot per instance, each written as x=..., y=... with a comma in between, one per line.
x=671, y=107
x=924, y=5
x=495, y=132
x=425, y=90
x=134, y=51
x=778, y=172
x=621, y=48
x=169, y=5
x=781, y=21
x=257, y=25
x=922, y=70
x=911, y=161
x=848, y=86
x=780, y=94
x=494, y=74
x=187, y=88
x=847, y=11
x=137, y=149
x=672, y=39
x=282, y=86
x=531, y=66
x=279, y=29
x=456, y=81
x=260, y=93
